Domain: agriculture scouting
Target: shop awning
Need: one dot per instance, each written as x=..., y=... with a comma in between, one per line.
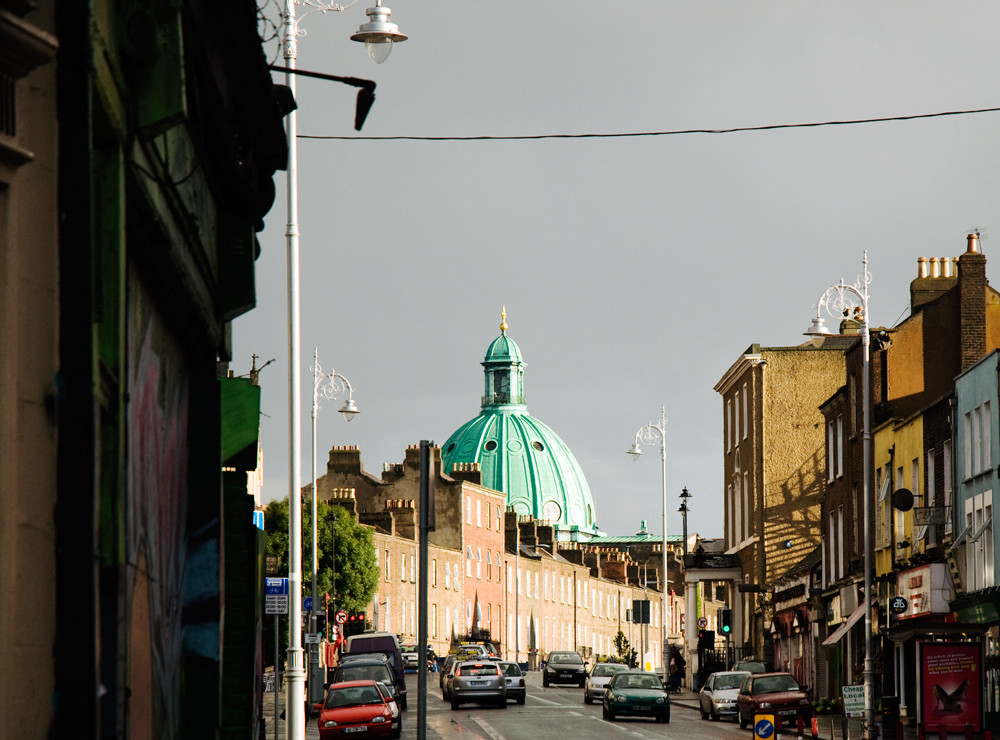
x=842, y=629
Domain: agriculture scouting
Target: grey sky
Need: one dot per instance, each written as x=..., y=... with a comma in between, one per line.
x=634, y=270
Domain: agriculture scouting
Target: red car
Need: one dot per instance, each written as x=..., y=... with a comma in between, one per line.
x=355, y=707
x=777, y=694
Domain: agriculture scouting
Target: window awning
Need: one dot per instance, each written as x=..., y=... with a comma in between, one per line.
x=842, y=629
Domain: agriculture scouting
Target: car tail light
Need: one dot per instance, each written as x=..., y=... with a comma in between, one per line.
x=521, y=682
x=458, y=671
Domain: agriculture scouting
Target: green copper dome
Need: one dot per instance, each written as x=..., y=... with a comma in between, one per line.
x=520, y=455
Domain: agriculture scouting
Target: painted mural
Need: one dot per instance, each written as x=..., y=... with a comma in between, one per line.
x=157, y=481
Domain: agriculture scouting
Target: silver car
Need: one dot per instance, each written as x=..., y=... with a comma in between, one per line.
x=597, y=680
x=515, y=681
x=478, y=681
x=717, y=697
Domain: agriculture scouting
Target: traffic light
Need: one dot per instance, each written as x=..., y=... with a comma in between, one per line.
x=321, y=624
x=726, y=621
x=355, y=624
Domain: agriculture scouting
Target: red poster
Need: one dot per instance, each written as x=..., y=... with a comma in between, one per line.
x=952, y=681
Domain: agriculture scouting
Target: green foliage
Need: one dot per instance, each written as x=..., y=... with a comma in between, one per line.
x=626, y=653
x=341, y=542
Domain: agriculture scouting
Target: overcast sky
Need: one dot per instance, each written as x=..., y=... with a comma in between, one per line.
x=634, y=270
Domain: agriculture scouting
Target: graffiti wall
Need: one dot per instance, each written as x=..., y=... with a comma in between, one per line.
x=157, y=480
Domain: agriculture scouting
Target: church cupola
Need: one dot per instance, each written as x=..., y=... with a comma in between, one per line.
x=504, y=370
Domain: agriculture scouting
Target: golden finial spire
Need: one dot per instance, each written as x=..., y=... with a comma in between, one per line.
x=503, y=319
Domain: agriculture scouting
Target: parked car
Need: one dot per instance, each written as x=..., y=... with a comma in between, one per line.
x=480, y=682
x=446, y=668
x=411, y=656
x=388, y=644
x=638, y=694
x=597, y=680
x=515, y=681
x=371, y=667
x=717, y=697
x=772, y=693
x=354, y=707
x=751, y=665
x=564, y=666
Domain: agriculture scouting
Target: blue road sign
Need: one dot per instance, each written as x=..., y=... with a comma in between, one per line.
x=276, y=586
x=763, y=728
x=307, y=604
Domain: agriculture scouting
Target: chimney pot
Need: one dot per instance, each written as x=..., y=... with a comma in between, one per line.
x=921, y=267
x=973, y=239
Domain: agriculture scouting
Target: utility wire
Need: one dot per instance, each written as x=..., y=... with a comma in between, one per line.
x=740, y=129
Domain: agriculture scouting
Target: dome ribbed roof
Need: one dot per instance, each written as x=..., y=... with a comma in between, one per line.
x=519, y=454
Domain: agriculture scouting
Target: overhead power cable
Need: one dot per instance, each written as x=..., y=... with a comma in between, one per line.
x=736, y=130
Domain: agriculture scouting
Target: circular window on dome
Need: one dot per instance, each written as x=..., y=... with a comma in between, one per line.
x=538, y=446
x=553, y=512
x=490, y=446
x=450, y=447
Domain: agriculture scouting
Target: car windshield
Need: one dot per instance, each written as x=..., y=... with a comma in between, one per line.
x=362, y=673
x=772, y=684
x=510, y=669
x=731, y=681
x=754, y=666
x=565, y=658
x=604, y=670
x=637, y=681
x=352, y=696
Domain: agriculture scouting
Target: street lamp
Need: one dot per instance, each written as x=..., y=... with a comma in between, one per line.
x=645, y=435
x=684, y=514
x=295, y=672
x=848, y=301
x=329, y=386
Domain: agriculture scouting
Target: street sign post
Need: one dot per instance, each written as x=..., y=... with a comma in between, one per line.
x=340, y=617
x=702, y=622
x=276, y=596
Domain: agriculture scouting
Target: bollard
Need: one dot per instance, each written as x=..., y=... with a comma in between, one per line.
x=920, y=731
x=800, y=725
x=777, y=727
x=899, y=730
x=942, y=732
x=814, y=727
x=968, y=731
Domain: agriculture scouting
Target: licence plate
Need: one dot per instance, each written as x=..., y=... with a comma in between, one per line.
x=477, y=683
x=642, y=709
x=360, y=728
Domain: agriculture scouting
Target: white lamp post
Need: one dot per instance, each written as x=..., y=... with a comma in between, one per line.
x=648, y=434
x=329, y=386
x=846, y=301
x=295, y=672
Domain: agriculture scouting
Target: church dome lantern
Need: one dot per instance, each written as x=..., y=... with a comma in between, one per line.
x=520, y=455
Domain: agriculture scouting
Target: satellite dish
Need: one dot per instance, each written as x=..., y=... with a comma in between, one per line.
x=902, y=499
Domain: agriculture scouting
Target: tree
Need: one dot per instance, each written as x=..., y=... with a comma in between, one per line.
x=356, y=568
x=626, y=653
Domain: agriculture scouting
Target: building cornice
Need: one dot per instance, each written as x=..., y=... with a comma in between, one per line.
x=737, y=370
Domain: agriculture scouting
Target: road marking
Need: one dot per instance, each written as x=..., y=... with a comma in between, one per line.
x=487, y=728
x=535, y=697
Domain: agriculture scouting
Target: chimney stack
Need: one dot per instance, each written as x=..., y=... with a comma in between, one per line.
x=972, y=302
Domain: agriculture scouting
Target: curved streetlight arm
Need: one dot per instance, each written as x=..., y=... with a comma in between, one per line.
x=650, y=434
x=840, y=298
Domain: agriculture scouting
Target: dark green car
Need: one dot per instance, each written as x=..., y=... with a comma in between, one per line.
x=636, y=694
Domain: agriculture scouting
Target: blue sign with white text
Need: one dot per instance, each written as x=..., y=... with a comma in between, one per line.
x=276, y=586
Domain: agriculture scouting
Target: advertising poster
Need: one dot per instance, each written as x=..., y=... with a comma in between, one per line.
x=951, y=685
